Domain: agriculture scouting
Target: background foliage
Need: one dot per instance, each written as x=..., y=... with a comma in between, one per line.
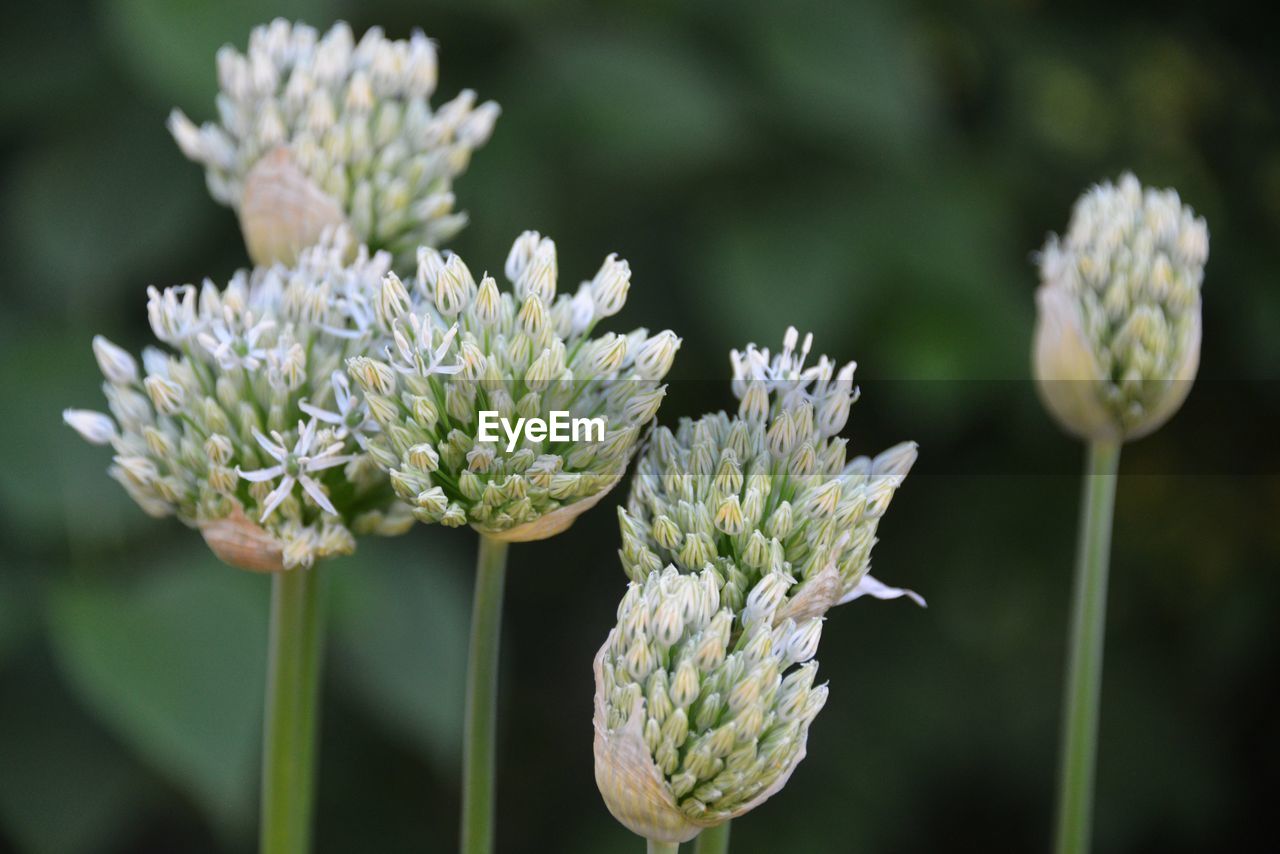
x=877, y=172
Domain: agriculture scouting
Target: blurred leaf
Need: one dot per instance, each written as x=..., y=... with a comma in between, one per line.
x=64, y=786
x=800, y=242
x=51, y=474
x=169, y=46
x=637, y=104
x=1067, y=109
x=17, y=609
x=43, y=68
x=400, y=636
x=849, y=70
x=175, y=667
x=112, y=201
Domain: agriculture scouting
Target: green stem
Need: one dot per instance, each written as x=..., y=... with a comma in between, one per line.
x=482, y=691
x=713, y=840
x=289, y=726
x=1084, y=665
x=661, y=847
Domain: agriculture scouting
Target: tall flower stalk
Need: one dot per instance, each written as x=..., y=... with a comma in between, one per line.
x=1116, y=349
x=462, y=348
x=291, y=721
x=480, y=736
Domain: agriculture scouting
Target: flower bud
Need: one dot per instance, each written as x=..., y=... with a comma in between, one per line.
x=676, y=764
x=1117, y=339
x=609, y=287
x=117, y=365
x=94, y=427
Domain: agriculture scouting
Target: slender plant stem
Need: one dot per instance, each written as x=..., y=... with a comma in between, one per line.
x=1084, y=665
x=661, y=847
x=713, y=840
x=482, y=692
x=289, y=728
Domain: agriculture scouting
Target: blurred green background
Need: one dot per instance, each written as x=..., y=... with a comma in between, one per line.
x=877, y=172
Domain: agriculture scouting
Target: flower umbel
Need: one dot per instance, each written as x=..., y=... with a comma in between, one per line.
x=317, y=130
x=1117, y=340
x=769, y=489
x=460, y=347
x=701, y=712
x=229, y=429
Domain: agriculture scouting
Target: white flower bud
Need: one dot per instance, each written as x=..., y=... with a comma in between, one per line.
x=654, y=358
x=393, y=300
x=93, y=427
x=488, y=303
x=166, y=395
x=520, y=255
x=116, y=364
x=609, y=288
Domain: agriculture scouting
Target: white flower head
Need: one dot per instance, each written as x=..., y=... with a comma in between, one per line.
x=768, y=493
x=699, y=717
x=460, y=349
x=316, y=130
x=1117, y=340
x=204, y=430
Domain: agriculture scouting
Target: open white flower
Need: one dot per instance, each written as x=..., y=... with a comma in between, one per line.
x=233, y=350
x=295, y=466
x=350, y=413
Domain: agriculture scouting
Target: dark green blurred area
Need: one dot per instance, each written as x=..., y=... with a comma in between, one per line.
x=876, y=172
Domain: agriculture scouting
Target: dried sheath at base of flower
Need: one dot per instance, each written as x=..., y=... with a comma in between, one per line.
x=549, y=525
x=239, y=541
x=282, y=211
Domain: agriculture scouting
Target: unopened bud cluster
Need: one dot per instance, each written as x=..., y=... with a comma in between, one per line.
x=245, y=425
x=462, y=346
x=768, y=490
x=1118, y=334
x=314, y=131
x=718, y=701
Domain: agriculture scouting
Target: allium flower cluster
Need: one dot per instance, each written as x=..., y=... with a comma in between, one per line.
x=315, y=131
x=741, y=532
x=1117, y=341
x=702, y=710
x=460, y=347
x=246, y=426
x=768, y=490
